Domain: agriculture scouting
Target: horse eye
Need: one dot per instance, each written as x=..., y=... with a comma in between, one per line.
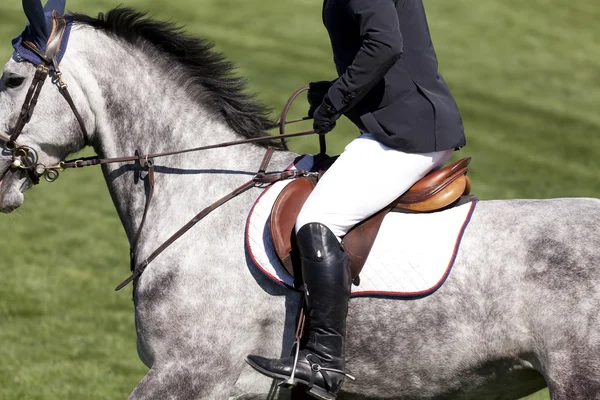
x=14, y=82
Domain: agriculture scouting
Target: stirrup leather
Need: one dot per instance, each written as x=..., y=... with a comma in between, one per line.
x=291, y=381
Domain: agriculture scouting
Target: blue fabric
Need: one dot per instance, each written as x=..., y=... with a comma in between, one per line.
x=22, y=53
x=389, y=83
x=35, y=14
x=55, y=5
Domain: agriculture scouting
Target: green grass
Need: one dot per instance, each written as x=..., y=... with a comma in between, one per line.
x=525, y=75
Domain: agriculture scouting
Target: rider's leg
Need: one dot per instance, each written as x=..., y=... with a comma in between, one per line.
x=326, y=276
x=367, y=177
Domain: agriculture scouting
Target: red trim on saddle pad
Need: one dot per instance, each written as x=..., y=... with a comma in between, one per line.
x=247, y=234
x=434, y=288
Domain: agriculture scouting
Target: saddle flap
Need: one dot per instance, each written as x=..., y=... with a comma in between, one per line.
x=283, y=217
x=358, y=242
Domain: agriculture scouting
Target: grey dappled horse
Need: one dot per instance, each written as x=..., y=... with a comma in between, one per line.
x=519, y=310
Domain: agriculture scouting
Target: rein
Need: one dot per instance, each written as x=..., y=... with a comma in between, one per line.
x=23, y=155
x=26, y=158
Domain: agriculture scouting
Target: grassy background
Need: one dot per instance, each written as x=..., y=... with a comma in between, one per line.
x=525, y=75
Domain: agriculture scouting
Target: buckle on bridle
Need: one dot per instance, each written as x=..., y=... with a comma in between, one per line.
x=58, y=80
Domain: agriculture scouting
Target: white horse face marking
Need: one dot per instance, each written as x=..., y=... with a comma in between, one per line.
x=52, y=132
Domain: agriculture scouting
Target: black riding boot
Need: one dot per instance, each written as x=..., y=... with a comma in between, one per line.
x=327, y=280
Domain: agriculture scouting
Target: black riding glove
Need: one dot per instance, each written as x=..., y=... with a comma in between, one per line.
x=315, y=95
x=325, y=117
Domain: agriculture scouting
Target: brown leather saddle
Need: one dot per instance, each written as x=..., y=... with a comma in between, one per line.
x=440, y=189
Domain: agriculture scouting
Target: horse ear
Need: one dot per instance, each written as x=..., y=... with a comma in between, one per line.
x=35, y=14
x=55, y=5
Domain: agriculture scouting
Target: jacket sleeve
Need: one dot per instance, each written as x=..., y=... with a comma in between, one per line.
x=380, y=49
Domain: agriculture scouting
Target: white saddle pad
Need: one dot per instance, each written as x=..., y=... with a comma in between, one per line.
x=412, y=255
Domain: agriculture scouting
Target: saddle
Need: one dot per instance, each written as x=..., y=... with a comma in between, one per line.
x=439, y=190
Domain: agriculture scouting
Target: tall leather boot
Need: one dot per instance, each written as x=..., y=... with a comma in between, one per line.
x=327, y=281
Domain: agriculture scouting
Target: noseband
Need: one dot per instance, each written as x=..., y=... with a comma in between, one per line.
x=25, y=157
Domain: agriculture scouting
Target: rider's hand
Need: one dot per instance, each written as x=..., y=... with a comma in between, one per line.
x=315, y=95
x=325, y=117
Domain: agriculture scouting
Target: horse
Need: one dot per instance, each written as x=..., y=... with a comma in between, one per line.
x=518, y=312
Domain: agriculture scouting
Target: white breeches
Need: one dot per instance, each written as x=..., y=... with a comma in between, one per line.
x=366, y=177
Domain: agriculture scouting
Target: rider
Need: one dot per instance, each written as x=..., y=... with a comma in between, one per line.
x=390, y=87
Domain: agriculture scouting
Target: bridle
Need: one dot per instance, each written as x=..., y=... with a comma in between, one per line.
x=26, y=158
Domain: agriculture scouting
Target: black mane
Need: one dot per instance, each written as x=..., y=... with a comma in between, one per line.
x=212, y=75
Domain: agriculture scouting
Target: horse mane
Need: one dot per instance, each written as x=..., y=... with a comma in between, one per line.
x=209, y=75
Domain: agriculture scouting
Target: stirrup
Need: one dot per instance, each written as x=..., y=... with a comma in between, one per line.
x=318, y=392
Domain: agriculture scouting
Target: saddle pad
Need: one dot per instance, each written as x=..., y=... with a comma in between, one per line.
x=411, y=257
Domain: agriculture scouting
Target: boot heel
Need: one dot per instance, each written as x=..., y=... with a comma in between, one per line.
x=288, y=384
x=321, y=394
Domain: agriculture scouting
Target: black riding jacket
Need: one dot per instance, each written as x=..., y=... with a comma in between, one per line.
x=389, y=82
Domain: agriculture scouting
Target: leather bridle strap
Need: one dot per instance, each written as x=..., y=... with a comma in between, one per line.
x=63, y=89
x=53, y=48
x=59, y=26
x=49, y=61
x=41, y=73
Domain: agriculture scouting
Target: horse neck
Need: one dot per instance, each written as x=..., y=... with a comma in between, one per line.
x=138, y=107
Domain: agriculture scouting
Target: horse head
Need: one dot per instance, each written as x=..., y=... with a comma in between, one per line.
x=39, y=121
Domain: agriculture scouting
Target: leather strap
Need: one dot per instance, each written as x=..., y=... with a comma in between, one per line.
x=65, y=92
x=91, y=161
x=266, y=160
x=31, y=46
x=149, y=166
x=59, y=25
x=140, y=268
x=41, y=73
x=260, y=178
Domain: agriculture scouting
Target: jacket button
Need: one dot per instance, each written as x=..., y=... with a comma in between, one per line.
x=349, y=97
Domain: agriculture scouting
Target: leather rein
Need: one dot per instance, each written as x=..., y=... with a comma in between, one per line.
x=26, y=158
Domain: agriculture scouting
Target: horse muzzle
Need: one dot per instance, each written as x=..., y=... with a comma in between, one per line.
x=13, y=182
